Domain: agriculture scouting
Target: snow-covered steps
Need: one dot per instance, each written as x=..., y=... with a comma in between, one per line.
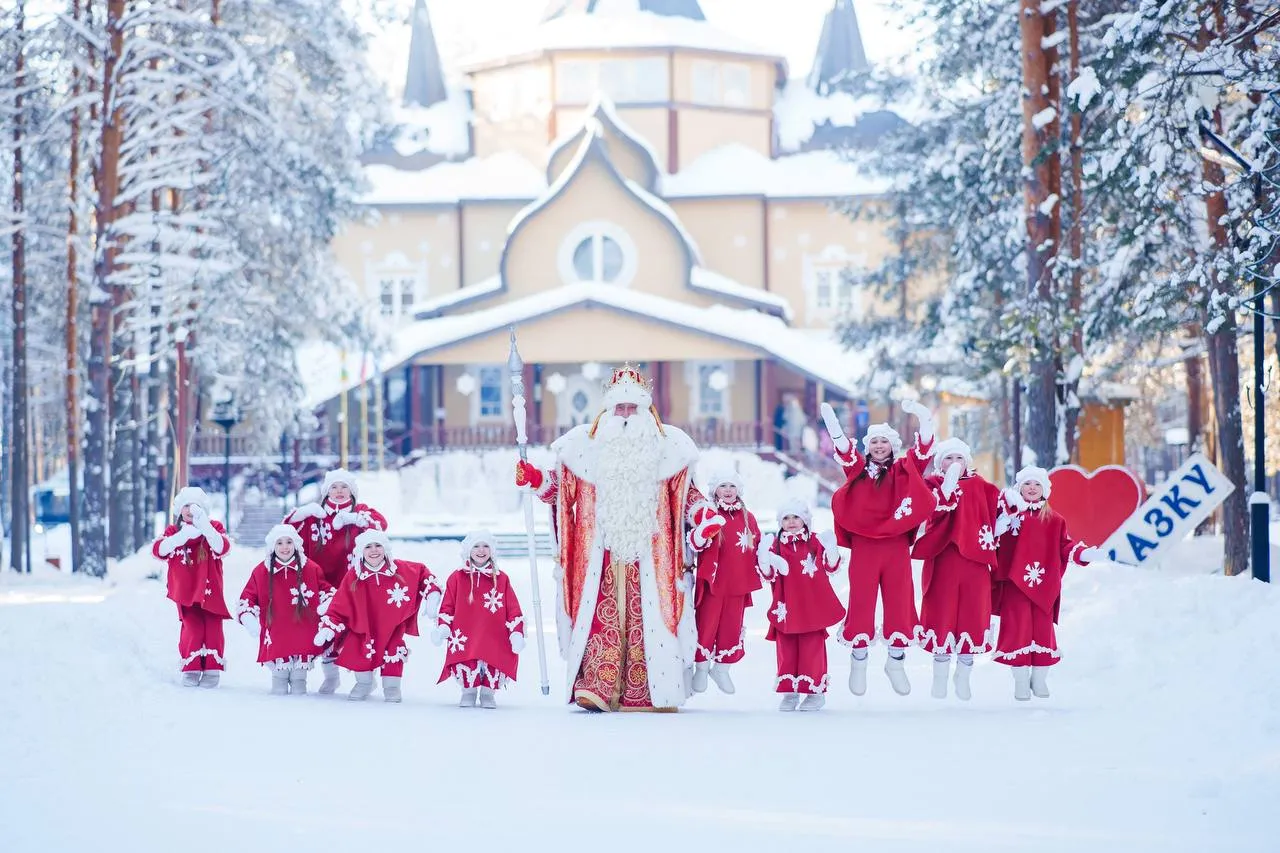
x=516, y=544
x=256, y=522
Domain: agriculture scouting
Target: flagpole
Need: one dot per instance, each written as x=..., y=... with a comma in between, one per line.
x=516, y=367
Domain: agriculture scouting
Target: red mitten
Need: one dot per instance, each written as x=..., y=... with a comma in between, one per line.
x=528, y=474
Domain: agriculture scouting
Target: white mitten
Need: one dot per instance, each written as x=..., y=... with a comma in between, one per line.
x=1091, y=555
x=311, y=510
x=780, y=565
x=836, y=431
x=1003, y=523
x=326, y=598
x=341, y=519
x=324, y=636
x=187, y=533
x=177, y=539
x=431, y=606
x=828, y=540
x=438, y=634
x=951, y=479
x=250, y=623
x=517, y=643
x=924, y=416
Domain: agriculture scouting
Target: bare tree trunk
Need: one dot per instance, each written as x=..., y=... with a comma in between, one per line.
x=18, y=439
x=72, y=321
x=106, y=176
x=1075, y=246
x=1224, y=368
x=1041, y=163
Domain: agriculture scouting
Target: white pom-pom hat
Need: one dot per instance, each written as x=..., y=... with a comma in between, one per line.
x=339, y=475
x=1034, y=474
x=285, y=531
x=474, y=538
x=187, y=496
x=952, y=447
x=882, y=431
x=797, y=507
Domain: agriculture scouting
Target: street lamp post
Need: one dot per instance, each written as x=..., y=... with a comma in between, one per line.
x=226, y=416
x=1259, y=502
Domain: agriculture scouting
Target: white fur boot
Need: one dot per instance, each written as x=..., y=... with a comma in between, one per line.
x=700, y=670
x=331, y=680
x=1022, y=683
x=298, y=682
x=209, y=678
x=964, y=669
x=468, y=699
x=895, y=668
x=789, y=702
x=391, y=688
x=941, y=671
x=487, y=699
x=364, y=686
x=280, y=683
x=1039, y=685
x=858, y=673
x=720, y=675
x=191, y=679
x=813, y=702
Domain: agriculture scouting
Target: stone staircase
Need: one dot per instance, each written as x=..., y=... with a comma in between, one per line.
x=255, y=523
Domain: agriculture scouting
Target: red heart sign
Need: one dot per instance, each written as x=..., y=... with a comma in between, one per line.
x=1095, y=503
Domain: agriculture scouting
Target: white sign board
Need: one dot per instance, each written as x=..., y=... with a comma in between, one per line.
x=1184, y=500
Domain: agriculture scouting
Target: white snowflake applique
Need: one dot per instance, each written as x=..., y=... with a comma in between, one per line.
x=873, y=470
x=398, y=595
x=1034, y=575
x=302, y=593
x=457, y=641
x=746, y=541
x=184, y=554
x=1015, y=523
x=266, y=637
x=321, y=533
x=809, y=567
x=492, y=601
x=903, y=510
x=987, y=538
x=369, y=649
x=780, y=612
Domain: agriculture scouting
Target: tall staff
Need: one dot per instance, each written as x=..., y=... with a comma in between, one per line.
x=515, y=365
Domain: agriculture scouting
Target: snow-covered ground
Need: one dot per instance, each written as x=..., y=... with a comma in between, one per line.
x=1163, y=734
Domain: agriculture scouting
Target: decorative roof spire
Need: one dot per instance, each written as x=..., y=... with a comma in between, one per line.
x=672, y=8
x=841, y=56
x=424, y=79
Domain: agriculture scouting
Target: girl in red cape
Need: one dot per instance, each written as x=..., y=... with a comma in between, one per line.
x=329, y=529
x=877, y=511
x=193, y=546
x=798, y=566
x=726, y=575
x=481, y=623
x=374, y=608
x=279, y=607
x=958, y=548
x=1033, y=549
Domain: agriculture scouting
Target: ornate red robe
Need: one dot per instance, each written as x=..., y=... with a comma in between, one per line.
x=624, y=628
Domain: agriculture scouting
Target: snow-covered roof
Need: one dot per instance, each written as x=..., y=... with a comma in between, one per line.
x=714, y=284
x=443, y=128
x=683, y=8
x=602, y=110
x=799, y=110
x=504, y=176
x=814, y=354
x=736, y=170
x=624, y=30
x=457, y=298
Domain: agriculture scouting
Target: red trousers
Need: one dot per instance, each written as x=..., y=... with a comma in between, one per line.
x=719, y=622
x=880, y=566
x=802, y=662
x=200, y=640
x=955, y=611
x=1026, y=632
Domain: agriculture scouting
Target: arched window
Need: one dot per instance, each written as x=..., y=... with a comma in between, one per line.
x=599, y=252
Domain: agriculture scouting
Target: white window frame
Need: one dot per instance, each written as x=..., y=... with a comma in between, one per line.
x=501, y=381
x=721, y=84
x=404, y=276
x=693, y=372
x=846, y=301
x=594, y=229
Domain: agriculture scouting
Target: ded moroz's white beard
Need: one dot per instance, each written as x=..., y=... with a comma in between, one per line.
x=628, y=454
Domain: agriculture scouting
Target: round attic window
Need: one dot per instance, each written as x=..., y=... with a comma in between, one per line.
x=598, y=252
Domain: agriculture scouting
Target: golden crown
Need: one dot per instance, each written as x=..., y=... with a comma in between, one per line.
x=627, y=373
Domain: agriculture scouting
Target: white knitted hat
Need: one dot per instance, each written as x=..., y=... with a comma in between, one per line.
x=189, y=495
x=882, y=431
x=339, y=475
x=797, y=507
x=721, y=477
x=370, y=536
x=951, y=447
x=285, y=531
x=474, y=538
x=1034, y=474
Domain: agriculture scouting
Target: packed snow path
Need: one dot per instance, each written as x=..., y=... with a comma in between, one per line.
x=1162, y=734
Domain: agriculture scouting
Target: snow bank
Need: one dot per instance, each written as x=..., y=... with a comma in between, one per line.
x=504, y=176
